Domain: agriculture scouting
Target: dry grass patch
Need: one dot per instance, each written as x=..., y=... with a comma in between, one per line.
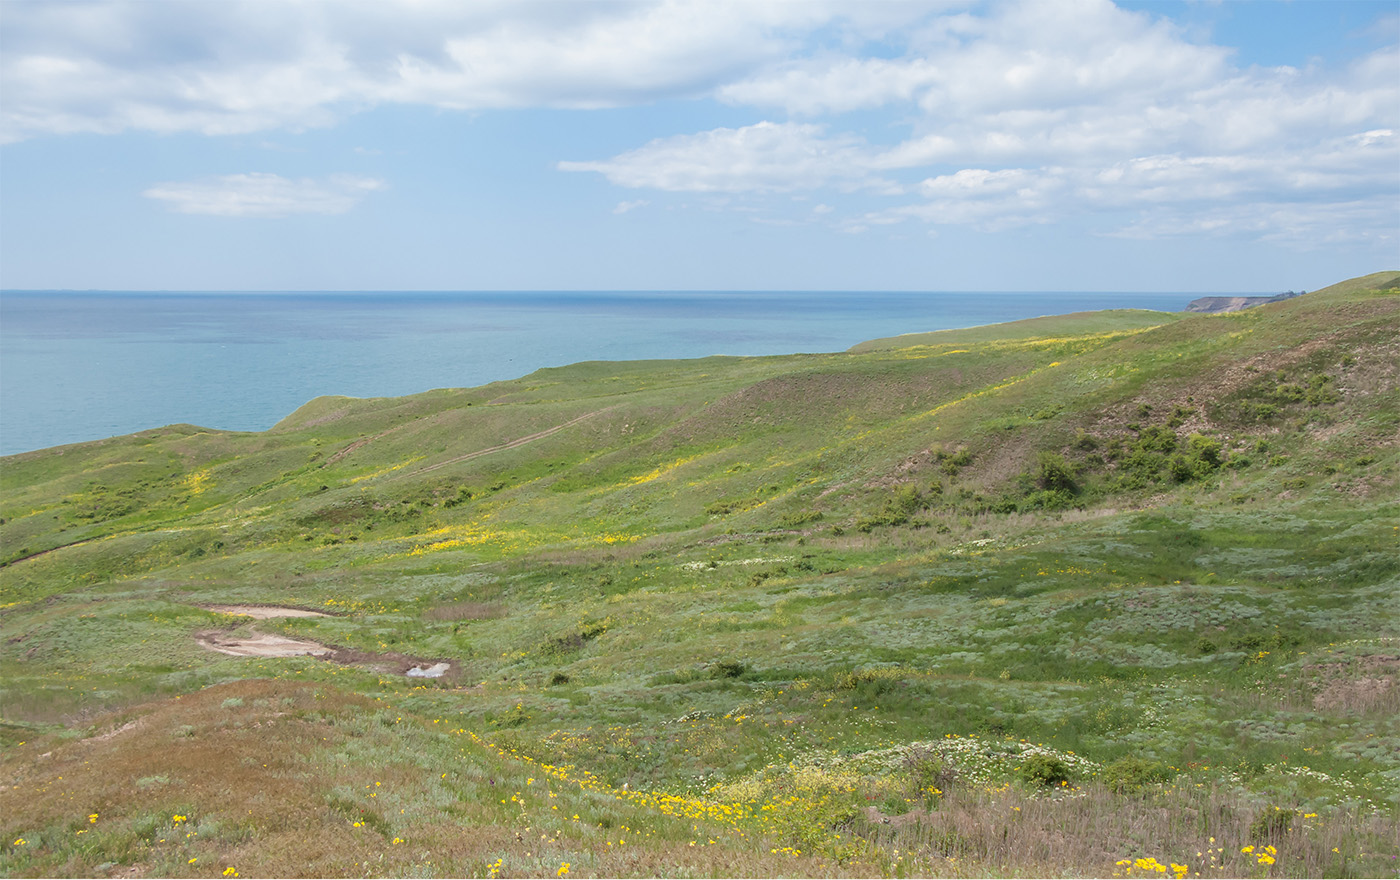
x=1008, y=832
x=465, y=611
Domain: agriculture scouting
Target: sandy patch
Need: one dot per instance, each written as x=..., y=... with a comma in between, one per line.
x=257, y=644
x=252, y=643
x=264, y=612
x=102, y=737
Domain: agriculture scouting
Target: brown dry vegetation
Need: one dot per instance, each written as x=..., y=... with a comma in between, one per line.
x=466, y=611
x=1003, y=832
x=260, y=777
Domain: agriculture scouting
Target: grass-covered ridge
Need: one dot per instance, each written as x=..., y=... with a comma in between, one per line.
x=1073, y=595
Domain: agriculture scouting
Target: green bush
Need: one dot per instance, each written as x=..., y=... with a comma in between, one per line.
x=956, y=462
x=1042, y=769
x=728, y=669
x=1133, y=774
x=1204, y=449
x=1054, y=474
x=1046, y=499
x=1270, y=825
x=871, y=682
x=897, y=510
x=513, y=717
x=929, y=775
x=1156, y=439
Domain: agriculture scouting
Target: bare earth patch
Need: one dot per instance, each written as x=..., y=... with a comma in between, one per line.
x=257, y=644
x=252, y=643
x=265, y=612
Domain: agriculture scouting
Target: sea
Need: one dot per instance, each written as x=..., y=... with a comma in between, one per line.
x=78, y=366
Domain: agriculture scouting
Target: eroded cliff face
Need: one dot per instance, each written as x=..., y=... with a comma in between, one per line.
x=1234, y=303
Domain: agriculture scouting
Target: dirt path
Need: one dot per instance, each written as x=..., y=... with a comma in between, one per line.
x=521, y=441
x=359, y=443
x=540, y=435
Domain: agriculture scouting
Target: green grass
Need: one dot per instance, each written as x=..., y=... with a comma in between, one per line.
x=742, y=600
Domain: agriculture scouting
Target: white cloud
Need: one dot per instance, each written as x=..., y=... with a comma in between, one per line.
x=263, y=195
x=624, y=207
x=766, y=157
x=1342, y=189
x=834, y=85
x=237, y=67
x=1033, y=54
x=993, y=114
x=1041, y=111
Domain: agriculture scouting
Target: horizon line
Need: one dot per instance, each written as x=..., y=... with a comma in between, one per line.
x=653, y=290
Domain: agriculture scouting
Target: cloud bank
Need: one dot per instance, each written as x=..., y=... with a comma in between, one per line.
x=263, y=195
x=990, y=115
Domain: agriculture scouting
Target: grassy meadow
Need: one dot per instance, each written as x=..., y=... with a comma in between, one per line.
x=1110, y=594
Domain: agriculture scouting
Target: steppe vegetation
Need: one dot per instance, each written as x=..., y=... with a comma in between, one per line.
x=1114, y=594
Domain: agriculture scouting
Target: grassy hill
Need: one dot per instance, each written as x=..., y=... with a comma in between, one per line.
x=1084, y=595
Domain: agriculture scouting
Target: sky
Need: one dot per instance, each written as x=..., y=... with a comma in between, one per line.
x=752, y=145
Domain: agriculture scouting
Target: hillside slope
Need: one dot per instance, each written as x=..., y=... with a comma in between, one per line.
x=828, y=602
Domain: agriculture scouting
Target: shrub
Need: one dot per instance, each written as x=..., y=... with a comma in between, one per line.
x=1320, y=391
x=1156, y=439
x=1140, y=468
x=954, y=463
x=800, y=518
x=1133, y=774
x=728, y=669
x=1204, y=449
x=1042, y=769
x=897, y=510
x=929, y=775
x=513, y=717
x=1053, y=473
x=1181, y=468
x=1047, y=499
x=907, y=500
x=1270, y=825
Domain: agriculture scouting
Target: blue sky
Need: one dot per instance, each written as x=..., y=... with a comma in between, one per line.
x=1040, y=145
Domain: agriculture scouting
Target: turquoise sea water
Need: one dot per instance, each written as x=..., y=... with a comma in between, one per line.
x=82, y=366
